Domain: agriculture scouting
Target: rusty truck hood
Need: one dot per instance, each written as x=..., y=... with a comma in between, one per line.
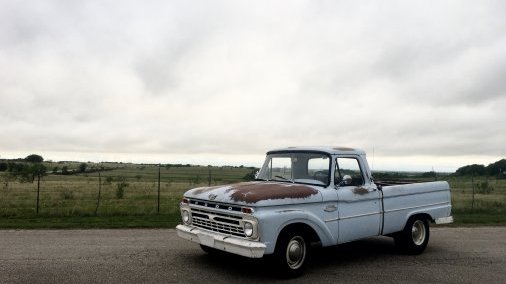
x=258, y=193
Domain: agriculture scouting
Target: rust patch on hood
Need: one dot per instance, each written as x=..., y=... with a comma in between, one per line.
x=253, y=192
x=360, y=190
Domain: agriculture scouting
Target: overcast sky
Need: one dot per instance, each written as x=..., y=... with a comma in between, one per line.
x=420, y=83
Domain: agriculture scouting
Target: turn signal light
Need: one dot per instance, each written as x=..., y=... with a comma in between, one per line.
x=247, y=210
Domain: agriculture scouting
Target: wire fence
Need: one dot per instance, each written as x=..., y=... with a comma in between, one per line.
x=122, y=191
x=126, y=190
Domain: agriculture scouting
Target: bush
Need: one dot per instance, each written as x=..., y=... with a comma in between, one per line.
x=67, y=194
x=484, y=188
x=120, y=187
x=82, y=167
x=251, y=175
x=109, y=180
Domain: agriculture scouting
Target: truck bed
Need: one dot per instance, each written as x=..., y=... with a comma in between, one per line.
x=400, y=201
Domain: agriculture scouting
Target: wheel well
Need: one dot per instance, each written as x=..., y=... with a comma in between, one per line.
x=312, y=236
x=422, y=215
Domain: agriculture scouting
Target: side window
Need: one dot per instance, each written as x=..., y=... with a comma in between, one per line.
x=318, y=169
x=348, y=173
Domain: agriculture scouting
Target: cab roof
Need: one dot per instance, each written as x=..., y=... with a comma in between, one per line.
x=332, y=150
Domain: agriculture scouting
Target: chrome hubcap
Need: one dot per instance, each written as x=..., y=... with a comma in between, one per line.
x=296, y=252
x=418, y=232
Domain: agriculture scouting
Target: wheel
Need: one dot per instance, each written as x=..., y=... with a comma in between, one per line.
x=291, y=253
x=415, y=236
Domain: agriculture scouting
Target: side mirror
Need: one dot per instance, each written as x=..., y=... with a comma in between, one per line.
x=346, y=180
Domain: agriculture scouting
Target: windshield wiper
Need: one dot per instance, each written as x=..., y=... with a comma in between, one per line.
x=283, y=178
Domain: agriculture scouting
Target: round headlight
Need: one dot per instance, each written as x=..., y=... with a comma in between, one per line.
x=248, y=229
x=186, y=217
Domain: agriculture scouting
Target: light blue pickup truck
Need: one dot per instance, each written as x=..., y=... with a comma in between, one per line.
x=311, y=195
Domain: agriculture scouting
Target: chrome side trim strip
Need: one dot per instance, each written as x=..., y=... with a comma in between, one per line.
x=420, y=206
x=354, y=216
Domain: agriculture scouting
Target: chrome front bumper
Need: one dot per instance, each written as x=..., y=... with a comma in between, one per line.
x=222, y=242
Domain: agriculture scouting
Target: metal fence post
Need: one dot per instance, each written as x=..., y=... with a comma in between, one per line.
x=158, y=204
x=99, y=190
x=38, y=192
x=472, y=181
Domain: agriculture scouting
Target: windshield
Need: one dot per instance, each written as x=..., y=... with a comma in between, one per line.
x=297, y=167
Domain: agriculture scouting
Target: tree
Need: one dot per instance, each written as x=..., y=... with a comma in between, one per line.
x=251, y=175
x=430, y=174
x=474, y=169
x=35, y=168
x=497, y=168
x=3, y=166
x=82, y=167
x=38, y=170
x=21, y=172
x=26, y=172
x=494, y=169
x=34, y=158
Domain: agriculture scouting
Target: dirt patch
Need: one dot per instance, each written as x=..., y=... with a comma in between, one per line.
x=253, y=192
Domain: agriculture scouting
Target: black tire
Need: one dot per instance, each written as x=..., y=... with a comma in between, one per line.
x=415, y=236
x=291, y=253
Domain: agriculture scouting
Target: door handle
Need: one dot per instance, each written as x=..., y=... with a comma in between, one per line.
x=330, y=208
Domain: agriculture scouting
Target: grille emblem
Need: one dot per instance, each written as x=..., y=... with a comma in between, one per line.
x=212, y=196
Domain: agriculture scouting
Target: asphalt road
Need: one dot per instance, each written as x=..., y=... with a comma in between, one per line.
x=463, y=255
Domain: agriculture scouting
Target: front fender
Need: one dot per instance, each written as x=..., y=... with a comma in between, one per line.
x=272, y=222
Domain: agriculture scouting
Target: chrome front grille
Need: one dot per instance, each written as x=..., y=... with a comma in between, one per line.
x=218, y=222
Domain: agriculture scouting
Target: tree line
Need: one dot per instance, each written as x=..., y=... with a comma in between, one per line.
x=31, y=166
x=495, y=169
x=27, y=170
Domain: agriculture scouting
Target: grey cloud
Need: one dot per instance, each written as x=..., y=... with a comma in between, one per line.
x=232, y=78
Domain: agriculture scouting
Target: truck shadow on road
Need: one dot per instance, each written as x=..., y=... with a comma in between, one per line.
x=363, y=252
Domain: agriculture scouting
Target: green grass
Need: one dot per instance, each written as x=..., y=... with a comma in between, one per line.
x=487, y=209
x=70, y=201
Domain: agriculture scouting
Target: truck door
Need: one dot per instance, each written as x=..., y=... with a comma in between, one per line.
x=359, y=205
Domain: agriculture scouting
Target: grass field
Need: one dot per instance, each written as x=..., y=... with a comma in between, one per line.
x=486, y=209
x=70, y=201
